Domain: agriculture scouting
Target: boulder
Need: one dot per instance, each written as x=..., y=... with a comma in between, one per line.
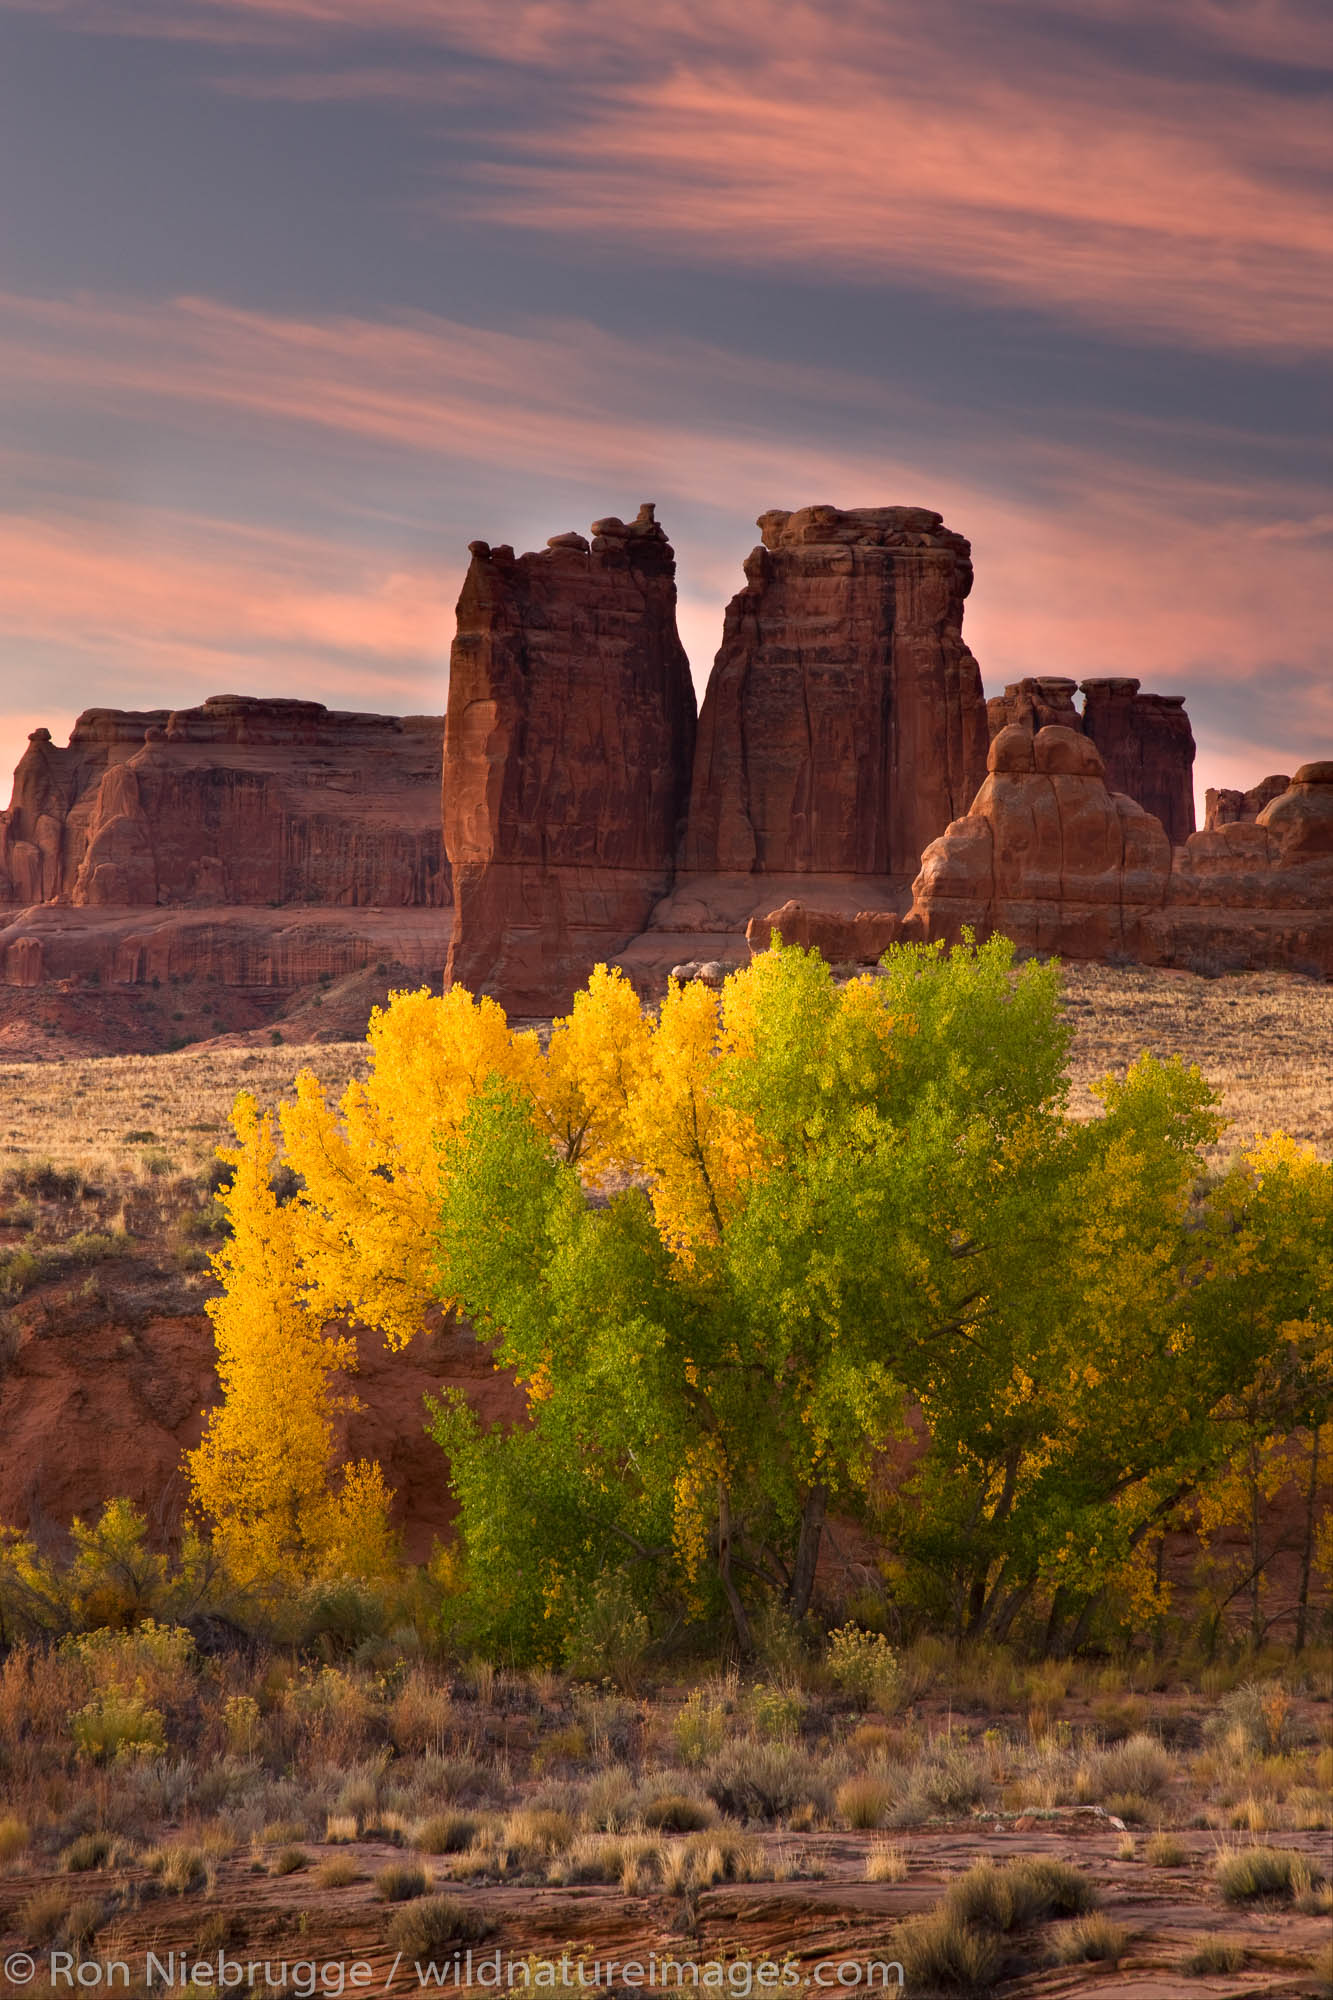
x=567, y=755
x=844, y=724
x=861, y=939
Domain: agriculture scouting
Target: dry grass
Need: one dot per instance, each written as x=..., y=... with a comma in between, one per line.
x=1264, y=1038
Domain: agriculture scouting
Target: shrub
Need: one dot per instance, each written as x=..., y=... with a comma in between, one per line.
x=864, y=1665
x=608, y=1636
x=1245, y=1875
x=41, y=1918
x=886, y=1863
x=436, y=1925
x=118, y=1726
x=777, y=1712
x=940, y=1953
x=241, y=1722
x=1139, y=1767
x=864, y=1801
x=1211, y=1957
x=151, y=1660
x=677, y=1812
x=290, y=1861
x=1094, y=1939
x=400, y=1882
x=340, y=1873
x=1165, y=1851
x=14, y=1838
x=763, y=1781
x=1259, y=1714
x=446, y=1833
x=1020, y=1894
x=420, y=1714
x=532, y=1835
x=89, y=1851
x=179, y=1868
x=699, y=1729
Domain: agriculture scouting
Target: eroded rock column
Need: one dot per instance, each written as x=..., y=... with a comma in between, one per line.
x=567, y=757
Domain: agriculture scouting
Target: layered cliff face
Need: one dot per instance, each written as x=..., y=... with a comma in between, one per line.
x=844, y=724
x=241, y=801
x=1148, y=749
x=567, y=756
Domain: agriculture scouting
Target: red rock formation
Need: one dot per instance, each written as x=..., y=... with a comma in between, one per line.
x=1049, y=857
x=567, y=757
x=239, y=802
x=843, y=940
x=1033, y=703
x=1224, y=807
x=844, y=724
x=1145, y=739
x=41, y=835
x=1147, y=746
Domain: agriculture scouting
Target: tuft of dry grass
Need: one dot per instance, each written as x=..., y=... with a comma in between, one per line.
x=886, y=1862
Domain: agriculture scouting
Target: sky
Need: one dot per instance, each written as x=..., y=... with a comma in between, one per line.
x=298, y=297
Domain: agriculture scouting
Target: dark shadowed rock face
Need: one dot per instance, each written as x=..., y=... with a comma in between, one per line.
x=1226, y=807
x=567, y=757
x=844, y=724
x=1147, y=746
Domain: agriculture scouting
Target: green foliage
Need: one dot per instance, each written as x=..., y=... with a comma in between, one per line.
x=864, y=1665
x=1254, y=1872
x=115, y=1725
x=112, y=1579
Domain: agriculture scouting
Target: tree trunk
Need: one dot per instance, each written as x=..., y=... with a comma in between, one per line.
x=744, y=1636
x=1307, y=1545
x=807, y=1550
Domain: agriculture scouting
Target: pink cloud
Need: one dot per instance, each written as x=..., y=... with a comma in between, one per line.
x=974, y=150
x=1111, y=565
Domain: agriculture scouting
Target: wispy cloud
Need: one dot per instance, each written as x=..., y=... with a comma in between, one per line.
x=1088, y=559
x=1140, y=170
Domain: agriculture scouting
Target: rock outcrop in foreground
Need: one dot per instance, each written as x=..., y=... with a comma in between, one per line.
x=844, y=724
x=1053, y=859
x=567, y=757
x=1145, y=740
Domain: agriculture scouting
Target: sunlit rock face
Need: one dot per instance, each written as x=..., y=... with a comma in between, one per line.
x=844, y=725
x=568, y=749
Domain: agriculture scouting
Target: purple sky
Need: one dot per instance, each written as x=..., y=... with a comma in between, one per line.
x=299, y=296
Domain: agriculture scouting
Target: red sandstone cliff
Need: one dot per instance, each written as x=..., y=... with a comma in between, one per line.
x=844, y=724
x=240, y=801
x=1148, y=749
x=566, y=758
